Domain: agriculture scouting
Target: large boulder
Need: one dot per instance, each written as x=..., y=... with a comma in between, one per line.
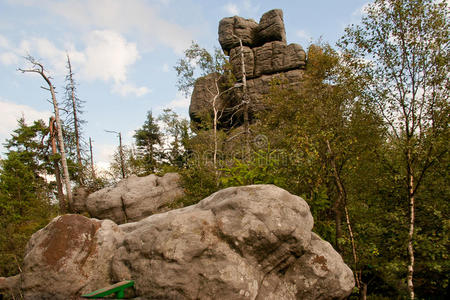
x=135, y=198
x=69, y=257
x=250, y=242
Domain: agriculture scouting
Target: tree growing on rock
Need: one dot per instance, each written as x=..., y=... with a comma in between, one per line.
x=211, y=67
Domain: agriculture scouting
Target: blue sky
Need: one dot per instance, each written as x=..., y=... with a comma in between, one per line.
x=123, y=53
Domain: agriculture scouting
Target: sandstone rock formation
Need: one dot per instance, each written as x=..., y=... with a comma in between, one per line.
x=251, y=242
x=266, y=56
x=80, y=195
x=135, y=198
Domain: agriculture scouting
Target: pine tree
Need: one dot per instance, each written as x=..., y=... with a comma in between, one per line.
x=25, y=195
x=148, y=138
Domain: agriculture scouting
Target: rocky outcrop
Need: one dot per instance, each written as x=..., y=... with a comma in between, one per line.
x=266, y=56
x=251, y=242
x=252, y=34
x=79, y=197
x=135, y=198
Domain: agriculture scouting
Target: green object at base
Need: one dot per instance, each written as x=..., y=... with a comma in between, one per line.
x=117, y=288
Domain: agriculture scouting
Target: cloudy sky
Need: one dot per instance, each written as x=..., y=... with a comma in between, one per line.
x=123, y=53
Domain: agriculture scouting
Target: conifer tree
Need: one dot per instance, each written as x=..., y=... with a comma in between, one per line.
x=147, y=139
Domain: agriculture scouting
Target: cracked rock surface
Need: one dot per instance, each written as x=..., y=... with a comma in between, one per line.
x=250, y=242
x=135, y=198
x=266, y=55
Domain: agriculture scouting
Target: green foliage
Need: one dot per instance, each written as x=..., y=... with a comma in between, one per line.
x=261, y=168
x=25, y=195
x=198, y=62
x=147, y=139
x=401, y=49
x=176, y=134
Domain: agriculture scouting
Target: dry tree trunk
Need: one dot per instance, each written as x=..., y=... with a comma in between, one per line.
x=61, y=200
x=122, y=164
x=343, y=198
x=75, y=122
x=411, y=227
x=92, y=160
x=39, y=68
x=245, y=100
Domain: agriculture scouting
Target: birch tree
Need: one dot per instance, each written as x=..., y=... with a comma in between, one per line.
x=405, y=44
x=198, y=62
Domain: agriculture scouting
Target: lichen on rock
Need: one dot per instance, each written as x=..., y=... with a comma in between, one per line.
x=249, y=242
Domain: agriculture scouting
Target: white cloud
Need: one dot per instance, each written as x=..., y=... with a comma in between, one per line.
x=9, y=58
x=131, y=16
x=10, y=112
x=252, y=8
x=4, y=43
x=108, y=56
x=302, y=34
x=165, y=68
x=125, y=89
x=231, y=8
x=180, y=101
x=53, y=58
x=104, y=152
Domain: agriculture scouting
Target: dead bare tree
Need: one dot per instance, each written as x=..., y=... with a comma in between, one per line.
x=92, y=160
x=245, y=100
x=37, y=67
x=122, y=160
x=53, y=132
x=73, y=103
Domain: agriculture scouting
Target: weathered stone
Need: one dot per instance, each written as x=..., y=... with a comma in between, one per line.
x=265, y=53
x=271, y=27
x=135, y=198
x=202, y=98
x=317, y=265
x=234, y=28
x=69, y=257
x=236, y=62
x=250, y=242
x=259, y=87
x=275, y=57
x=80, y=195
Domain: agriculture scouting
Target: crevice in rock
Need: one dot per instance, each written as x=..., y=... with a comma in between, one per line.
x=124, y=209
